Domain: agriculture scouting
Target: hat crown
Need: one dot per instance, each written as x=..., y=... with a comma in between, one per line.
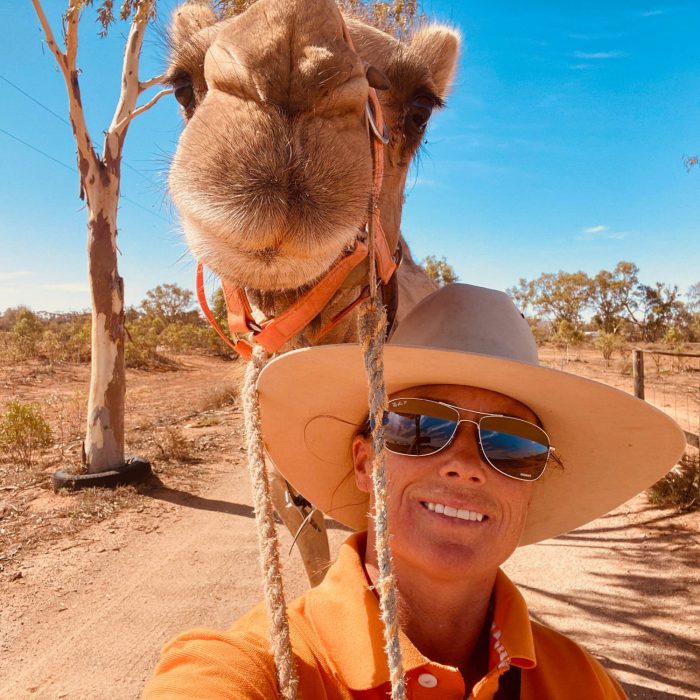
x=472, y=319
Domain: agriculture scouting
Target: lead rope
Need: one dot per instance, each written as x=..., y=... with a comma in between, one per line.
x=267, y=532
x=372, y=332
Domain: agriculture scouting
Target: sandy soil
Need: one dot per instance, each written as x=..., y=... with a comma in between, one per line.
x=86, y=609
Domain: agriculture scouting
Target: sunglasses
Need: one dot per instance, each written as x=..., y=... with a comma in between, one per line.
x=421, y=427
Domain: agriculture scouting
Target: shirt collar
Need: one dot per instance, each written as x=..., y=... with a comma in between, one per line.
x=344, y=613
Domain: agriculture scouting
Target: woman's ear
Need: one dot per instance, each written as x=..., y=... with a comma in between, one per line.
x=362, y=459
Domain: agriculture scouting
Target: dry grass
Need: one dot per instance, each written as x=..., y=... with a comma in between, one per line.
x=174, y=446
x=680, y=488
x=29, y=520
x=219, y=397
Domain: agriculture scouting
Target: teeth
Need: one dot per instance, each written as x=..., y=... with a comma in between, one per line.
x=453, y=512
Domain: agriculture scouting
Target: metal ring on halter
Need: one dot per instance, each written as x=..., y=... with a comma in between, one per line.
x=383, y=137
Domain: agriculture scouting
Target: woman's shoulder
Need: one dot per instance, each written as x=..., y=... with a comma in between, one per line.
x=564, y=663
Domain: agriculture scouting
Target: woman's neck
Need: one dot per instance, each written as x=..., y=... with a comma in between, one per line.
x=446, y=620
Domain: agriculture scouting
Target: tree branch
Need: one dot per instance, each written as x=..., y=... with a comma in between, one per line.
x=50, y=40
x=142, y=109
x=158, y=80
x=72, y=18
x=87, y=158
x=131, y=88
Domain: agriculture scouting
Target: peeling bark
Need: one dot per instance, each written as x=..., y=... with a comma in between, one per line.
x=104, y=441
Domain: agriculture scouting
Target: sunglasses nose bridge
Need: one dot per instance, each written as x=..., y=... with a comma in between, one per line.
x=473, y=438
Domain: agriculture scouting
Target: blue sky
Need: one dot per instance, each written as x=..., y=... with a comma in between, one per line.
x=561, y=148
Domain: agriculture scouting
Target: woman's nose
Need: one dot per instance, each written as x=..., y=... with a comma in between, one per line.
x=462, y=459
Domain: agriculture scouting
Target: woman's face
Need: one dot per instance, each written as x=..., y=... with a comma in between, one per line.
x=436, y=544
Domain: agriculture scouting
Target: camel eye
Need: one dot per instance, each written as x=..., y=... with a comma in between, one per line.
x=420, y=110
x=184, y=93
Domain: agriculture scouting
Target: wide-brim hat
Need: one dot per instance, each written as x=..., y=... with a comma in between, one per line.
x=611, y=444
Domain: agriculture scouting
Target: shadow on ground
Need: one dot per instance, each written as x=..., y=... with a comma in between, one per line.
x=627, y=590
x=160, y=492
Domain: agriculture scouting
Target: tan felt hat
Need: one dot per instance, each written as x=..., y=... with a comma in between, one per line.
x=612, y=445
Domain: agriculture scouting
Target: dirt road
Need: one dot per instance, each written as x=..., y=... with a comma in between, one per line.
x=85, y=615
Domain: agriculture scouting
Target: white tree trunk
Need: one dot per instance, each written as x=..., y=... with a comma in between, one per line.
x=104, y=439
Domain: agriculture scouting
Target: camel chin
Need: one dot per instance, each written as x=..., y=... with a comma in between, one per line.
x=282, y=265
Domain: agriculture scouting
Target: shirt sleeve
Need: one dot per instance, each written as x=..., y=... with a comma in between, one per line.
x=214, y=665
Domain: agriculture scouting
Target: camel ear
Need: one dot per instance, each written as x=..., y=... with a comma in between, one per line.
x=438, y=47
x=188, y=19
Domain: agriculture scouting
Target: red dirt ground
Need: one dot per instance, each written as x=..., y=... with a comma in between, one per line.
x=93, y=585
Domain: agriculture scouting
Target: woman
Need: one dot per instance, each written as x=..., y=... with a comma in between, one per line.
x=486, y=451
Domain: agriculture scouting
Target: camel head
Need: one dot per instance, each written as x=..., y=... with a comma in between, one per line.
x=273, y=171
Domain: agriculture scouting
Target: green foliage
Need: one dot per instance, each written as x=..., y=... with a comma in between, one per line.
x=613, y=296
x=674, y=338
x=439, y=270
x=169, y=303
x=23, y=430
x=563, y=296
x=26, y=332
x=165, y=322
x=614, y=302
x=106, y=11
x=608, y=343
x=523, y=295
x=566, y=333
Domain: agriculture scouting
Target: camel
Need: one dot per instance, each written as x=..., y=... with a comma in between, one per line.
x=273, y=170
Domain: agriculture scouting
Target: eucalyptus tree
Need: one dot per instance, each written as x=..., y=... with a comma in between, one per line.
x=99, y=172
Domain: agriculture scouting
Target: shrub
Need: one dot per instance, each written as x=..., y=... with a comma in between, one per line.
x=608, y=343
x=26, y=333
x=566, y=334
x=23, y=430
x=680, y=488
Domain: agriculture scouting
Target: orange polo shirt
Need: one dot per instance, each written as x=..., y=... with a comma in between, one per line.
x=337, y=640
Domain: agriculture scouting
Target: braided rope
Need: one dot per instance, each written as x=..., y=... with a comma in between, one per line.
x=372, y=328
x=267, y=532
x=371, y=325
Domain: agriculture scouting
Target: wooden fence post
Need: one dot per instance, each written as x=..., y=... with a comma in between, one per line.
x=638, y=373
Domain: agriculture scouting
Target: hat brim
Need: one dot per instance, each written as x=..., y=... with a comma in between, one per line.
x=612, y=445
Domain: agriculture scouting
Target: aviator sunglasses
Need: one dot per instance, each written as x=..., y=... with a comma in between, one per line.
x=421, y=427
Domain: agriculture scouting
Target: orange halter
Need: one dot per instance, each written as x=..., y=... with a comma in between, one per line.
x=273, y=333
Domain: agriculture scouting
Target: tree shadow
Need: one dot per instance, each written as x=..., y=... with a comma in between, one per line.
x=639, y=692
x=160, y=492
x=644, y=601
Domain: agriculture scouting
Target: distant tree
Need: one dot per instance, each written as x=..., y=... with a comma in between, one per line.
x=656, y=309
x=562, y=296
x=218, y=308
x=693, y=297
x=100, y=179
x=10, y=315
x=440, y=271
x=26, y=333
x=612, y=296
x=170, y=303
x=523, y=295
